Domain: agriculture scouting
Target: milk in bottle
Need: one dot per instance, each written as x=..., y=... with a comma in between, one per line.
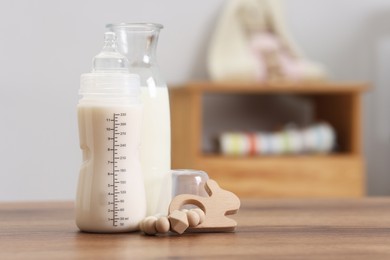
x=110, y=193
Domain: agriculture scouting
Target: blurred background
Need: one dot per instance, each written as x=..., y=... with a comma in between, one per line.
x=46, y=45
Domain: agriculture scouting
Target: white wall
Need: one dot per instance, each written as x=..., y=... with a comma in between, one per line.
x=46, y=45
x=352, y=38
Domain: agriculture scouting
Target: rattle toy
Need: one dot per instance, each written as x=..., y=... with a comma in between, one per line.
x=210, y=216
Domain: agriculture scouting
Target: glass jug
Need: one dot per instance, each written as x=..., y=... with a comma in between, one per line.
x=138, y=42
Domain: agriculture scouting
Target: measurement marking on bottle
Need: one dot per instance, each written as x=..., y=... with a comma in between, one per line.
x=114, y=210
x=116, y=186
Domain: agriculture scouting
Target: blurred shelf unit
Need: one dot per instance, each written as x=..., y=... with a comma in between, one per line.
x=338, y=174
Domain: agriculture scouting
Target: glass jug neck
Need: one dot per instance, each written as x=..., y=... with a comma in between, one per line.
x=137, y=41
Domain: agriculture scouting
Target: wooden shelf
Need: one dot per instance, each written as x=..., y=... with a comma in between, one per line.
x=273, y=88
x=334, y=175
x=278, y=157
x=288, y=176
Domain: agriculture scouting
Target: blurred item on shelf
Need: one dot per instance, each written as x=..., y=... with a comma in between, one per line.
x=251, y=43
x=318, y=138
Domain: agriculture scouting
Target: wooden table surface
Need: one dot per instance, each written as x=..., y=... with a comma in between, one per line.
x=268, y=229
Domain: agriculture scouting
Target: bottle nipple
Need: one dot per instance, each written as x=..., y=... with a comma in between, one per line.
x=109, y=59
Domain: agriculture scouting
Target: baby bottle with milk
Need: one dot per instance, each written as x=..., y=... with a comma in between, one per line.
x=138, y=42
x=110, y=193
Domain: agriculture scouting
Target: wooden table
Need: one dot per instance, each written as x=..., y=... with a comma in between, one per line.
x=268, y=229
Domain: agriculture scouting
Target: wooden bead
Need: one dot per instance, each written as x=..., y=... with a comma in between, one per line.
x=163, y=225
x=193, y=218
x=201, y=214
x=149, y=225
x=179, y=221
x=141, y=225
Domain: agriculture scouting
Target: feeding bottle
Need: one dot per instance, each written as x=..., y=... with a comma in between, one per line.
x=110, y=193
x=138, y=42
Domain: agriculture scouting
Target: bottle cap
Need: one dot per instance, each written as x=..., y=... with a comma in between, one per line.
x=109, y=59
x=185, y=181
x=110, y=72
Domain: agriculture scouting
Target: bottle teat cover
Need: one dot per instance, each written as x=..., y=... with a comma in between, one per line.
x=110, y=72
x=109, y=59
